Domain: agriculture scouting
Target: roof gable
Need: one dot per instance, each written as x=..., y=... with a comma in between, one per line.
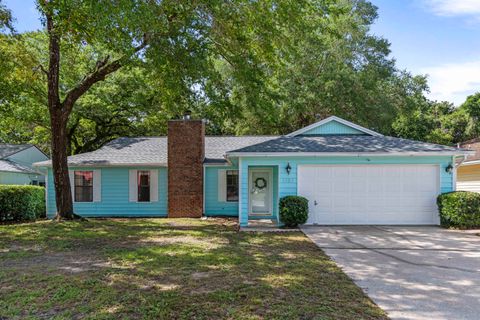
x=7, y=149
x=333, y=126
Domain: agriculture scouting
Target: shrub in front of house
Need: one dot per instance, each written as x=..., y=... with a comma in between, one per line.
x=21, y=203
x=293, y=210
x=459, y=209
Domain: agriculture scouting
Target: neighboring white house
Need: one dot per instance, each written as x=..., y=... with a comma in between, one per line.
x=16, y=164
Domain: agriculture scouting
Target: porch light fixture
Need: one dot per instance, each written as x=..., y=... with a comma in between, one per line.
x=449, y=168
x=288, y=168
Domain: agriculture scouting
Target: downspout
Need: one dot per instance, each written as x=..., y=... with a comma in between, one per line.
x=279, y=223
x=203, y=191
x=240, y=193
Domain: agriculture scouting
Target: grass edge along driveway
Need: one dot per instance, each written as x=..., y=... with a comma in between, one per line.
x=169, y=269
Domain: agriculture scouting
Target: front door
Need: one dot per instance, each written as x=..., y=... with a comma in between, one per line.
x=260, y=191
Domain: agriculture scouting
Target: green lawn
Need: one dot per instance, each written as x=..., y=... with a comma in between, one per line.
x=169, y=269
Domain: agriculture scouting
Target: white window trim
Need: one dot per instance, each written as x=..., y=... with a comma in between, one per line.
x=226, y=185
x=96, y=185
x=222, y=186
x=133, y=185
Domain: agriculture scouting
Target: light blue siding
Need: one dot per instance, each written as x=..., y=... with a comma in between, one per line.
x=332, y=127
x=25, y=158
x=28, y=156
x=288, y=182
x=213, y=207
x=115, y=186
x=115, y=200
x=15, y=178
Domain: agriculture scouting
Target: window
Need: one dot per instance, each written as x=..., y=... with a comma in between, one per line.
x=143, y=179
x=232, y=185
x=83, y=184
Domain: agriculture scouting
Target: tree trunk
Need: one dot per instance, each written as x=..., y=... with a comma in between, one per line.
x=63, y=194
x=60, y=111
x=59, y=118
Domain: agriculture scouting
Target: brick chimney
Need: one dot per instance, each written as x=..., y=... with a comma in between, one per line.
x=186, y=152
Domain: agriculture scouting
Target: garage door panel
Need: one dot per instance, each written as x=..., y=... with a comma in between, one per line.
x=370, y=194
x=358, y=202
x=358, y=185
x=324, y=186
x=375, y=187
x=341, y=172
x=357, y=172
x=341, y=186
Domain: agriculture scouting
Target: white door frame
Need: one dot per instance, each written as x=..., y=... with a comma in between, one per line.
x=250, y=184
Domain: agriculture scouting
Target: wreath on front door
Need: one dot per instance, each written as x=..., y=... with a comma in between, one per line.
x=260, y=183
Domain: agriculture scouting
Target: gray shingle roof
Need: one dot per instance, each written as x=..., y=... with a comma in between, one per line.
x=7, y=149
x=153, y=151
x=10, y=166
x=217, y=146
x=345, y=143
x=123, y=151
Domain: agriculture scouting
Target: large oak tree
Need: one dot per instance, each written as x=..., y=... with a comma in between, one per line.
x=176, y=38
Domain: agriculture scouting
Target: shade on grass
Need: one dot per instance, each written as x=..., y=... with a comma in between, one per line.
x=164, y=269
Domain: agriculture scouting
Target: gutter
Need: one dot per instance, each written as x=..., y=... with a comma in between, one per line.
x=72, y=165
x=22, y=172
x=348, y=154
x=468, y=163
x=104, y=165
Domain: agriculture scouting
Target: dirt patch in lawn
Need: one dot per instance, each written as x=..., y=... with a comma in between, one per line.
x=170, y=269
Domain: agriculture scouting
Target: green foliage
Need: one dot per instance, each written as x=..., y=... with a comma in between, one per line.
x=5, y=19
x=21, y=203
x=459, y=209
x=267, y=67
x=440, y=122
x=293, y=210
x=325, y=62
x=123, y=105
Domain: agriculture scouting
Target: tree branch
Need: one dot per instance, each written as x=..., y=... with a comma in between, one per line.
x=103, y=68
x=42, y=68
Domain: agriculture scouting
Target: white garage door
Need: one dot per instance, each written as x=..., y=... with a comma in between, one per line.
x=370, y=194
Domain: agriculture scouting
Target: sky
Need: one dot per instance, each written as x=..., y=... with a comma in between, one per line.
x=438, y=38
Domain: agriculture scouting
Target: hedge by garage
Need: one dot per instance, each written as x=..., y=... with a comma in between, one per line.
x=21, y=203
x=459, y=209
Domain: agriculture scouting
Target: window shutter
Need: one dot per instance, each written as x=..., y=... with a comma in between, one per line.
x=71, y=175
x=222, y=185
x=154, y=185
x=97, y=185
x=132, y=186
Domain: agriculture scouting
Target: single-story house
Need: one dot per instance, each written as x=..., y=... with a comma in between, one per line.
x=468, y=172
x=349, y=174
x=16, y=164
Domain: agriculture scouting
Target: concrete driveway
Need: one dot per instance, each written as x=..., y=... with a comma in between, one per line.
x=410, y=272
